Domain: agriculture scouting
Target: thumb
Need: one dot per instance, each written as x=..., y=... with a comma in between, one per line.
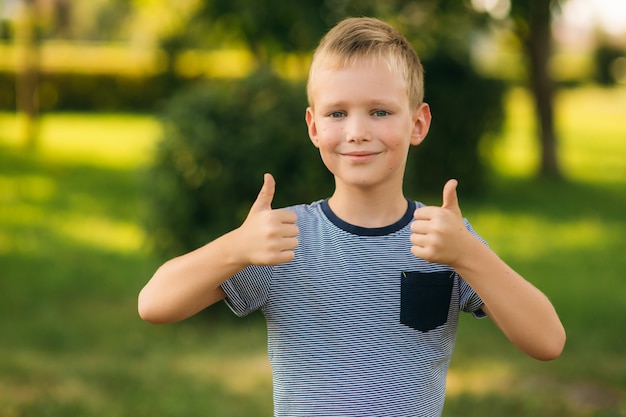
x=266, y=195
x=450, y=199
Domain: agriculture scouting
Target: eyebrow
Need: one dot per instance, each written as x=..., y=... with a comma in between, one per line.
x=372, y=103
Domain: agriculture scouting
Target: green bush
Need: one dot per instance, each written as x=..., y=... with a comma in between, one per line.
x=220, y=137
x=605, y=56
x=93, y=92
x=465, y=108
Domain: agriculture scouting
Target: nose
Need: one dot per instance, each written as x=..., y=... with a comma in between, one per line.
x=357, y=129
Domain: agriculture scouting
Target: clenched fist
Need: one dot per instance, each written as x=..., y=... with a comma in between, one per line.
x=439, y=233
x=270, y=235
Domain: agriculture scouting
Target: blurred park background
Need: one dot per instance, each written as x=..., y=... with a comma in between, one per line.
x=134, y=130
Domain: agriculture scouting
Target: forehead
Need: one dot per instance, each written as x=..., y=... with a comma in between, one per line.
x=368, y=81
x=329, y=61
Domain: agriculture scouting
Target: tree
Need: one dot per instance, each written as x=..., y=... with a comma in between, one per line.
x=533, y=19
x=27, y=83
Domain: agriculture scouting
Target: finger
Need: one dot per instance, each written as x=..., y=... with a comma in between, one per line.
x=285, y=252
x=420, y=227
x=266, y=195
x=291, y=231
x=286, y=216
x=289, y=244
x=418, y=240
x=450, y=199
x=425, y=212
x=284, y=257
x=287, y=230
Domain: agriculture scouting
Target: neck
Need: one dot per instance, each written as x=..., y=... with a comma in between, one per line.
x=368, y=208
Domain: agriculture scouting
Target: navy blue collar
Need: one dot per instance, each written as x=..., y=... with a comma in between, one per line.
x=367, y=231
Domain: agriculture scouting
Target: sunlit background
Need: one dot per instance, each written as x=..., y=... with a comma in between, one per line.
x=133, y=130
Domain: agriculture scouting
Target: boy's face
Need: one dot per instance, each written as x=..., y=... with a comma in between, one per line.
x=362, y=123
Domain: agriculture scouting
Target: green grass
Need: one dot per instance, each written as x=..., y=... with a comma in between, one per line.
x=73, y=258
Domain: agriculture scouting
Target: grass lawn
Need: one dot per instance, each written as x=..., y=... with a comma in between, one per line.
x=73, y=258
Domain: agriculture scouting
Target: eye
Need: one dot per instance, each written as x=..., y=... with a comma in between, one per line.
x=380, y=113
x=336, y=115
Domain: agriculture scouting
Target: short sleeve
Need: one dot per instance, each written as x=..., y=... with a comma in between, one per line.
x=248, y=290
x=470, y=301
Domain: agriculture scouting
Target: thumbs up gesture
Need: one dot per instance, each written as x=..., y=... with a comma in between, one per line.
x=439, y=233
x=270, y=236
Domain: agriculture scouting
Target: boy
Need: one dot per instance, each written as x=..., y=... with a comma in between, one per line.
x=361, y=292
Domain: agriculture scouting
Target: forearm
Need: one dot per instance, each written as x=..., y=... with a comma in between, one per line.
x=520, y=310
x=183, y=286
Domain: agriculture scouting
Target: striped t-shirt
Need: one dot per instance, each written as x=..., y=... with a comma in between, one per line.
x=357, y=325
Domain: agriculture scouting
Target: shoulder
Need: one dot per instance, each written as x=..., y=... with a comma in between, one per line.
x=305, y=208
x=307, y=213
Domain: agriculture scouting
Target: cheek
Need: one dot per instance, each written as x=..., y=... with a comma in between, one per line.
x=327, y=129
x=328, y=136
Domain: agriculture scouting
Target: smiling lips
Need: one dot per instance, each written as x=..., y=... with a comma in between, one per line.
x=359, y=156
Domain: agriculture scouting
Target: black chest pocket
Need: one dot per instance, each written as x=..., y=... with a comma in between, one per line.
x=425, y=299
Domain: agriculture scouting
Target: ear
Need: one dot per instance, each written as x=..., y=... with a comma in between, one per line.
x=312, y=127
x=421, y=124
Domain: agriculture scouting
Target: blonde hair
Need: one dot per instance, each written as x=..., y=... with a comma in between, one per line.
x=359, y=38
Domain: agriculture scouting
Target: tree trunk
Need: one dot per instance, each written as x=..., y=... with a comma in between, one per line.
x=538, y=44
x=27, y=91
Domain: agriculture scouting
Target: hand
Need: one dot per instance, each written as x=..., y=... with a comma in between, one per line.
x=269, y=236
x=439, y=233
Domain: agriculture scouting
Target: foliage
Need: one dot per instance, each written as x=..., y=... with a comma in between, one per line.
x=466, y=108
x=268, y=27
x=605, y=57
x=219, y=139
x=92, y=92
x=273, y=27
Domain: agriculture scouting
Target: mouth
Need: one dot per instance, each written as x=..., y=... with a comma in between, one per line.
x=360, y=156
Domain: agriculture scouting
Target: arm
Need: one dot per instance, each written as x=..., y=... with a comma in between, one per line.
x=521, y=311
x=183, y=286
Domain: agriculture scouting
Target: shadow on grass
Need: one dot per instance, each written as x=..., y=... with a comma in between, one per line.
x=560, y=200
x=60, y=186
